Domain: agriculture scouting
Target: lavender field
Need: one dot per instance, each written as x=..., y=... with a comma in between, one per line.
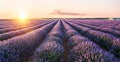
x=60, y=40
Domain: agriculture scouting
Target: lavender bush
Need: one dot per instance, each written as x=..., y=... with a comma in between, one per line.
x=10, y=34
x=51, y=50
x=101, y=38
x=20, y=48
x=13, y=27
x=89, y=52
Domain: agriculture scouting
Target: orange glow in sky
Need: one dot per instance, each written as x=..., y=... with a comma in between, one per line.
x=59, y=8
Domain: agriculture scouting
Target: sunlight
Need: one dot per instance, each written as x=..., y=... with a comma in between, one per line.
x=22, y=18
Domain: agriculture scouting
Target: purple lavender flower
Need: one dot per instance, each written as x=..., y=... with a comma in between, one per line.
x=49, y=51
x=89, y=52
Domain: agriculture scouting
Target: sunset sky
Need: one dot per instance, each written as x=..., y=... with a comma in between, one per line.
x=59, y=8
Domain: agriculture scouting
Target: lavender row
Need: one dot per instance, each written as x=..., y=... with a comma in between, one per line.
x=19, y=27
x=72, y=36
x=102, y=23
x=51, y=50
x=105, y=23
x=83, y=50
x=20, y=48
x=4, y=24
x=10, y=25
x=89, y=52
x=11, y=34
x=105, y=40
x=1, y=27
x=10, y=29
x=103, y=29
x=16, y=23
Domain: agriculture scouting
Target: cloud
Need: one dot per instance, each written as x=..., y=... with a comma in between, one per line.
x=59, y=12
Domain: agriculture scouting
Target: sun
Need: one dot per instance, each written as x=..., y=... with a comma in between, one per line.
x=22, y=19
x=22, y=16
